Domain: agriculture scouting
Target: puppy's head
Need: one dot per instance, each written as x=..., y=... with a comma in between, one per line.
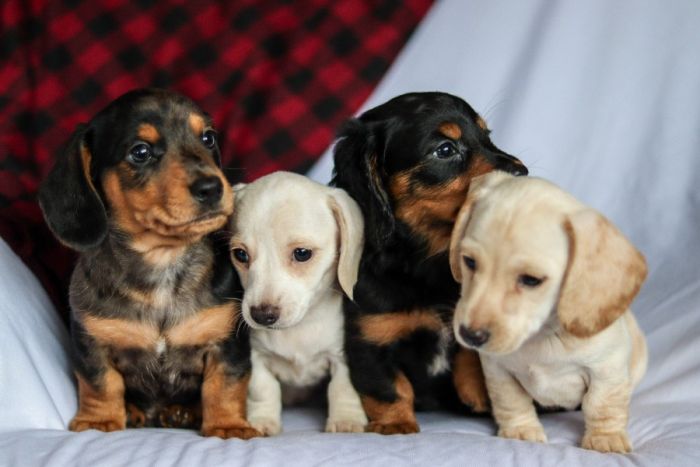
x=148, y=166
x=410, y=161
x=529, y=255
x=293, y=242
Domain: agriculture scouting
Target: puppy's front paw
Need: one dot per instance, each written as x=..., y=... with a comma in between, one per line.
x=268, y=426
x=525, y=433
x=396, y=428
x=607, y=442
x=242, y=431
x=345, y=426
x=83, y=424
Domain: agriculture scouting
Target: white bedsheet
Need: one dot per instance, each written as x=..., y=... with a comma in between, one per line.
x=602, y=97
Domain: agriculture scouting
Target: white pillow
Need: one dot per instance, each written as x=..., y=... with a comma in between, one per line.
x=36, y=383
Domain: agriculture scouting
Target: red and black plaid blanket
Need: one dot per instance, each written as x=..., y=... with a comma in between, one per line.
x=277, y=76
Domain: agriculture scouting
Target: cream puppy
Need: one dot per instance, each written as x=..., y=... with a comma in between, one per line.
x=546, y=289
x=296, y=245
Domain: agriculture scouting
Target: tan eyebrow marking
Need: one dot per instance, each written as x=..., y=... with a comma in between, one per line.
x=451, y=130
x=197, y=123
x=481, y=123
x=148, y=132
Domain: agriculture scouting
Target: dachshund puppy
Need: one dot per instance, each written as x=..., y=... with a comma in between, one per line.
x=296, y=245
x=408, y=164
x=546, y=288
x=153, y=315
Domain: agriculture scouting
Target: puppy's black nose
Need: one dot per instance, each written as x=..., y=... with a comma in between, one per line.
x=207, y=190
x=475, y=338
x=518, y=169
x=265, y=314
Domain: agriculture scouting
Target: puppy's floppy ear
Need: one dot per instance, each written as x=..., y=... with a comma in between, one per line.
x=478, y=187
x=604, y=274
x=357, y=170
x=68, y=198
x=351, y=227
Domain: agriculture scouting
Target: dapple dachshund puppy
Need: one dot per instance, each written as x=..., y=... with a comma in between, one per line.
x=408, y=164
x=153, y=317
x=546, y=287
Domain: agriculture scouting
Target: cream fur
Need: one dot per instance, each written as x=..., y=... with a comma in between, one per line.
x=571, y=339
x=273, y=216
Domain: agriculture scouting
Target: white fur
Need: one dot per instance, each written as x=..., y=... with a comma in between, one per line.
x=273, y=216
x=516, y=226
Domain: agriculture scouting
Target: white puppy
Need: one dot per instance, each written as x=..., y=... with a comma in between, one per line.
x=546, y=289
x=294, y=242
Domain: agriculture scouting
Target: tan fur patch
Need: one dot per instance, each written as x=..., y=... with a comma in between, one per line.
x=86, y=160
x=148, y=133
x=224, y=403
x=197, y=123
x=121, y=333
x=432, y=210
x=392, y=417
x=207, y=326
x=450, y=130
x=481, y=123
x=102, y=409
x=386, y=328
x=469, y=382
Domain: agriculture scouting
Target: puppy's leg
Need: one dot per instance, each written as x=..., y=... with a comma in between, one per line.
x=385, y=392
x=101, y=403
x=345, y=412
x=264, y=398
x=512, y=406
x=224, y=392
x=468, y=378
x=606, y=410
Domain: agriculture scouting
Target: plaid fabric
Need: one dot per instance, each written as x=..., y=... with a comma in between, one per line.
x=277, y=77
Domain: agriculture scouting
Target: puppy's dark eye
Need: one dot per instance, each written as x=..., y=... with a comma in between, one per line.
x=445, y=150
x=470, y=262
x=209, y=138
x=302, y=254
x=240, y=255
x=529, y=281
x=140, y=154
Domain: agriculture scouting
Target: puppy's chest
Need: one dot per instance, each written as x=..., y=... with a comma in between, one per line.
x=299, y=356
x=552, y=379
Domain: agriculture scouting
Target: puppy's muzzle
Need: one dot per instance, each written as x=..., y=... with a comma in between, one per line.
x=266, y=315
x=207, y=190
x=474, y=337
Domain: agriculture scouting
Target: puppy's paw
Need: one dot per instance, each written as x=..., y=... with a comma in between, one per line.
x=242, y=431
x=607, y=442
x=178, y=416
x=268, y=426
x=525, y=433
x=397, y=428
x=107, y=425
x=345, y=426
x=475, y=396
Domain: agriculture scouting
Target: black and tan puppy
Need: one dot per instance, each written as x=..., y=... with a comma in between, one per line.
x=408, y=164
x=137, y=192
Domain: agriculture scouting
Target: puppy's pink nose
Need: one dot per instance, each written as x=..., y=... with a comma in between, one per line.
x=265, y=314
x=474, y=337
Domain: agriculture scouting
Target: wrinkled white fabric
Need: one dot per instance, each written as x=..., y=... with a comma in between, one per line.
x=601, y=97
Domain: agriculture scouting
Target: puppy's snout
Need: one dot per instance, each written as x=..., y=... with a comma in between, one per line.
x=511, y=164
x=474, y=337
x=265, y=314
x=207, y=190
